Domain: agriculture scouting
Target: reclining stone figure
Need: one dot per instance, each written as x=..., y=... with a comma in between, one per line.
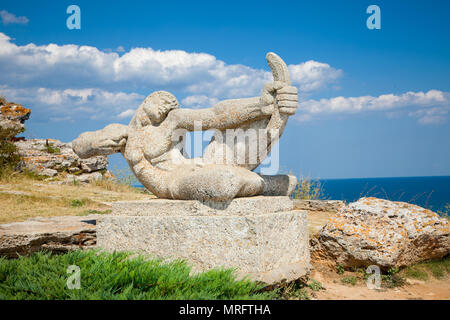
x=151, y=143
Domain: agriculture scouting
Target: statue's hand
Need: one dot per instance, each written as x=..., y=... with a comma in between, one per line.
x=107, y=141
x=286, y=98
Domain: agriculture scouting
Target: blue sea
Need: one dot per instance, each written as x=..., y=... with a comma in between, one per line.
x=428, y=192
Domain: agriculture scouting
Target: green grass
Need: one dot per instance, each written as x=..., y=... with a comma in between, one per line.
x=349, y=280
x=415, y=272
x=44, y=276
x=51, y=149
x=438, y=269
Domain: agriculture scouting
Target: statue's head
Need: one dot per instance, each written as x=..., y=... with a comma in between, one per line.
x=158, y=104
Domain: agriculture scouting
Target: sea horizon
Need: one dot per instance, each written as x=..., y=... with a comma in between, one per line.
x=431, y=192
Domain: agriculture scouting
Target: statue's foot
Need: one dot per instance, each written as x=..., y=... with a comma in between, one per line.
x=279, y=185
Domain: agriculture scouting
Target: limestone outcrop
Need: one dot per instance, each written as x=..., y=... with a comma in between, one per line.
x=49, y=157
x=55, y=234
x=379, y=232
x=13, y=116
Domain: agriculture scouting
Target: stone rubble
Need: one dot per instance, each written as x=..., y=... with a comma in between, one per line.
x=49, y=157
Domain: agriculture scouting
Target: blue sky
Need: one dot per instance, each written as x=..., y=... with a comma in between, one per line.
x=373, y=103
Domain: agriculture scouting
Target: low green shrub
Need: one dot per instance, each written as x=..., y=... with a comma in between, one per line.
x=43, y=276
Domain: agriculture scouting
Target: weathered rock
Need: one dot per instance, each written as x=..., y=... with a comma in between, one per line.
x=259, y=236
x=42, y=155
x=93, y=164
x=48, y=172
x=319, y=205
x=56, y=234
x=379, y=232
x=83, y=178
x=13, y=116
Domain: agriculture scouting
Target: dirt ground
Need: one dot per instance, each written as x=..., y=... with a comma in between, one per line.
x=334, y=289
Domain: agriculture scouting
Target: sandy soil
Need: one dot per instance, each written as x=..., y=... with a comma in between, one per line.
x=413, y=289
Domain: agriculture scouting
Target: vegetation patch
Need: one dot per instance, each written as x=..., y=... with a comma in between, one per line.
x=51, y=149
x=445, y=213
x=88, y=212
x=9, y=157
x=392, y=279
x=117, y=276
x=340, y=269
x=349, y=280
x=438, y=269
x=308, y=189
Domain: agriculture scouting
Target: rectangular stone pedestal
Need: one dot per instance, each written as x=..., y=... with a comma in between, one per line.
x=262, y=237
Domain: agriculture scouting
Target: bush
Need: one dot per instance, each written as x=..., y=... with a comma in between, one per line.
x=9, y=157
x=113, y=276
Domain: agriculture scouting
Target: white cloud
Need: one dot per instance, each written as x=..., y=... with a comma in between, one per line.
x=11, y=18
x=97, y=79
x=312, y=75
x=429, y=107
x=75, y=103
x=434, y=115
x=64, y=66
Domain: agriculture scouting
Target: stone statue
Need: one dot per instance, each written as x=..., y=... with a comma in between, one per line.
x=152, y=143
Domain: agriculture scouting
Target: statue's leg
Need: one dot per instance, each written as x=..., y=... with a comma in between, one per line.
x=214, y=183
